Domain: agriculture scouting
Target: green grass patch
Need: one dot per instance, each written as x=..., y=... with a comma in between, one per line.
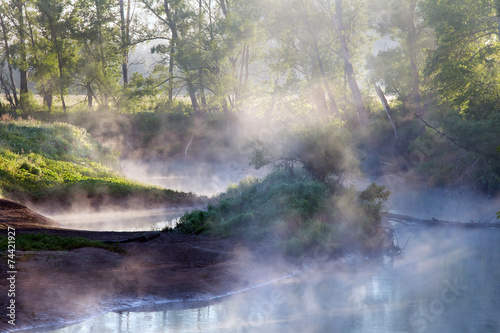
x=45, y=242
x=41, y=162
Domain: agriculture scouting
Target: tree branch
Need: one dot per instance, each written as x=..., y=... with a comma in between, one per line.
x=456, y=143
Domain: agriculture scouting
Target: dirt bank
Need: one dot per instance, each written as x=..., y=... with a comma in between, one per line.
x=15, y=215
x=54, y=287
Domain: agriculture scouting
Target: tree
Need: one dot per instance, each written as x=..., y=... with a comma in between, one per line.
x=300, y=55
x=9, y=85
x=399, y=67
x=102, y=53
x=314, y=51
x=23, y=56
x=201, y=39
x=464, y=75
x=56, y=51
x=464, y=68
x=338, y=17
x=125, y=21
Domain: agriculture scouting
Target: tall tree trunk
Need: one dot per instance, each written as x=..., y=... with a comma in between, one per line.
x=90, y=94
x=202, y=90
x=105, y=97
x=223, y=6
x=192, y=94
x=412, y=39
x=46, y=92
x=333, y=108
x=171, y=71
x=242, y=64
x=338, y=25
x=318, y=98
x=6, y=90
x=173, y=43
x=48, y=95
x=247, y=62
x=124, y=42
x=58, y=48
x=61, y=81
x=388, y=111
x=7, y=56
x=23, y=73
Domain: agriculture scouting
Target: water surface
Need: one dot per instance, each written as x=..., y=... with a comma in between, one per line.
x=447, y=281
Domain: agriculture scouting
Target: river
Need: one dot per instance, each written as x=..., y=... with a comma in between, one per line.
x=447, y=280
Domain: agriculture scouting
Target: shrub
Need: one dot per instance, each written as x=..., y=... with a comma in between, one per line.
x=191, y=222
x=294, y=212
x=320, y=148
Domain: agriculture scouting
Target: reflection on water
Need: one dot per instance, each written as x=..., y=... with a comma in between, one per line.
x=138, y=220
x=447, y=281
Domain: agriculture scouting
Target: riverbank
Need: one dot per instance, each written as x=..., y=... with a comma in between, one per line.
x=58, y=167
x=57, y=287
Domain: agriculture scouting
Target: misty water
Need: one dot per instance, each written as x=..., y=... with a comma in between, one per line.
x=136, y=220
x=446, y=281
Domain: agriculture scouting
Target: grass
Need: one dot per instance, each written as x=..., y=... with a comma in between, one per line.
x=294, y=212
x=45, y=242
x=43, y=162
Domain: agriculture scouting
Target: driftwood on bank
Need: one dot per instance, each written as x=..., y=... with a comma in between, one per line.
x=435, y=222
x=142, y=237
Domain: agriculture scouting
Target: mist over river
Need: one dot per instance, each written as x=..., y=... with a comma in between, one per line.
x=446, y=281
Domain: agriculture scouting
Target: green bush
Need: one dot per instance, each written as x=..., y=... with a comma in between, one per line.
x=191, y=222
x=295, y=212
x=320, y=148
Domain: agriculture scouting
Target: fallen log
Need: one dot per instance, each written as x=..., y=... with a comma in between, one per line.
x=405, y=219
x=143, y=237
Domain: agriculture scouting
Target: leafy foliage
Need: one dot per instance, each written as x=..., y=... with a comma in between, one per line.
x=295, y=213
x=320, y=148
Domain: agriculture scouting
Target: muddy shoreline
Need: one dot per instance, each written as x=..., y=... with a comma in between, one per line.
x=58, y=287
x=54, y=287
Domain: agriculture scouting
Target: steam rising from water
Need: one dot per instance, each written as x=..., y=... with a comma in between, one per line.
x=447, y=281
x=137, y=220
x=420, y=201
x=188, y=175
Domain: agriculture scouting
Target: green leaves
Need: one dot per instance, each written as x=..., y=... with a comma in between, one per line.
x=465, y=67
x=320, y=148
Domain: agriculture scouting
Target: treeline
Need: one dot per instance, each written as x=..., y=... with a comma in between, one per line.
x=84, y=47
x=373, y=64
x=217, y=54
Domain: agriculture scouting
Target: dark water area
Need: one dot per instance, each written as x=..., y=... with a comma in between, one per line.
x=448, y=280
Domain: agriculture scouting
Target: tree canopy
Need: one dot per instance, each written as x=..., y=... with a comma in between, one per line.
x=394, y=71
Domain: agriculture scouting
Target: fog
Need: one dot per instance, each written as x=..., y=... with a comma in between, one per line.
x=129, y=220
x=188, y=175
x=425, y=202
x=445, y=282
